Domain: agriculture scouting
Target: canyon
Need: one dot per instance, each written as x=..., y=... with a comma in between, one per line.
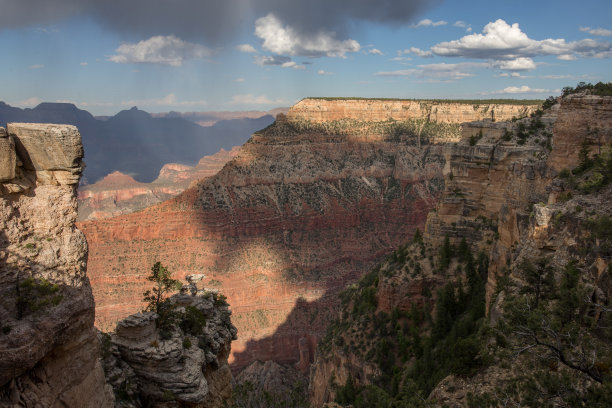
x=307, y=206
x=118, y=193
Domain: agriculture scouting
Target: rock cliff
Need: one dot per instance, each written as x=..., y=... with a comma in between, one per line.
x=48, y=345
x=377, y=110
x=180, y=364
x=302, y=210
x=119, y=193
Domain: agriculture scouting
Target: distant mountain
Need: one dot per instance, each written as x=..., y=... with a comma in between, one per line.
x=136, y=143
x=209, y=118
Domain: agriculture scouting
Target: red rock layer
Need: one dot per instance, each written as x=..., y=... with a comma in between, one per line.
x=279, y=230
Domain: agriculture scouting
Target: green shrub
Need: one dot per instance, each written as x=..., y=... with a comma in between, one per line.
x=35, y=294
x=192, y=321
x=186, y=342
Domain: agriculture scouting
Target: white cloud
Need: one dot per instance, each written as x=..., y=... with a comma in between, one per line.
x=501, y=41
x=168, y=100
x=428, y=23
x=293, y=64
x=164, y=50
x=36, y=66
x=519, y=90
x=323, y=72
x=460, y=24
x=271, y=60
x=518, y=64
x=250, y=99
x=439, y=71
x=401, y=59
x=33, y=101
x=511, y=75
x=285, y=40
x=375, y=51
x=83, y=64
x=419, y=52
x=246, y=48
x=239, y=80
x=602, y=32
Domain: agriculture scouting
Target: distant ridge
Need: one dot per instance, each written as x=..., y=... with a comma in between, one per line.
x=135, y=142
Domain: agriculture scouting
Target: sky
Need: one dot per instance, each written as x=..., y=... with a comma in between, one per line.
x=212, y=55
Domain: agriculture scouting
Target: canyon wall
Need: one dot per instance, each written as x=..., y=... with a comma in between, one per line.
x=377, y=110
x=118, y=193
x=504, y=197
x=49, y=351
x=298, y=214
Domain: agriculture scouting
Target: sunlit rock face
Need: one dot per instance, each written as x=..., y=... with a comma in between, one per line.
x=119, y=193
x=49, y=352
x=376, y=110
x=305, y=208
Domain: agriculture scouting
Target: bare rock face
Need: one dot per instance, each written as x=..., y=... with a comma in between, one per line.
x=186, y=366
x=119, y=193
x=7, y=153
x=582, y=118
x=327, y=110
x=48, y=346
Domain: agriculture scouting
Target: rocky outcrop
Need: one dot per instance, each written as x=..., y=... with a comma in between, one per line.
x=377, y=110
x=299, y=213
x=48, y=346
x=271, y=384
x=119, y=193
x=184, y=364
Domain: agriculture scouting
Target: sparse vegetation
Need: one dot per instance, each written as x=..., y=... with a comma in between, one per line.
x=36, y=294
x=600, y=89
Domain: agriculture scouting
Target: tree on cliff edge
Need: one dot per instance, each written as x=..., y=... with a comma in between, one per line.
x=156, y=298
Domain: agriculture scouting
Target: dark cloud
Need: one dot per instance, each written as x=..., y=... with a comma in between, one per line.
x=211, y=21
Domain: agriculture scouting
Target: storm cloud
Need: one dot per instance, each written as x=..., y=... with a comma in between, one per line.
x=212, y=21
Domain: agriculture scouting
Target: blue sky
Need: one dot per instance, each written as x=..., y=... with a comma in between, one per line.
x=260, y=54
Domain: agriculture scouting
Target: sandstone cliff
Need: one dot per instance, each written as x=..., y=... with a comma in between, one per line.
x=377, y=110
x=119, y=193
x=302, y=210
x=182, y=364
x=48, y=346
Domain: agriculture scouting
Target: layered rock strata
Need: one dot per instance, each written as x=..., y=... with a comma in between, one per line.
x=377, y=110
x=119, y=193
x=299, y=213
x=186, y=367
x=48, y=346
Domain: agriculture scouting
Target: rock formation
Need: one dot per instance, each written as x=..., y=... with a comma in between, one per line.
x=377, y=110
x=119, y=193
x=48, y=345
x=182, y=365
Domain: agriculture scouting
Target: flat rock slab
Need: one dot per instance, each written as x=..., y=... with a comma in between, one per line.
x=47, y=146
